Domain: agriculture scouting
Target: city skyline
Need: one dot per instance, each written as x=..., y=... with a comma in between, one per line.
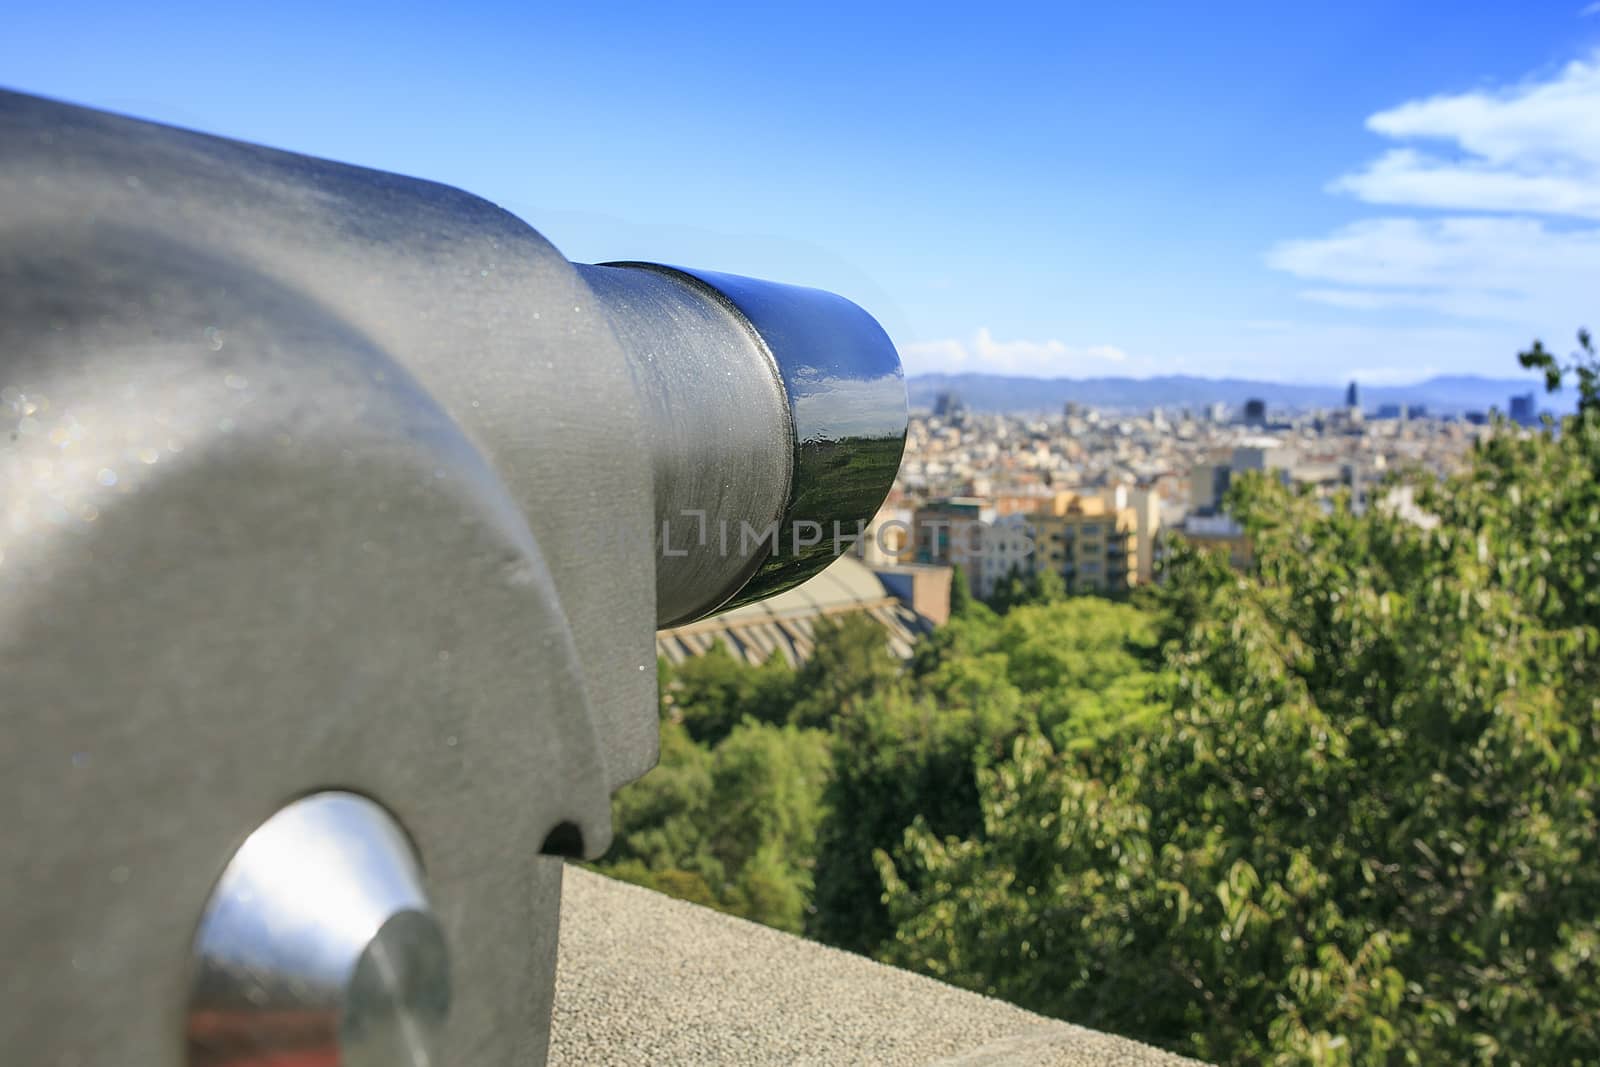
x=1355, y=193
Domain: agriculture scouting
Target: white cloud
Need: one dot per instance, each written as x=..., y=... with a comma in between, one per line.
x=1592, y=9
x=1403, y=176
x=1531, y=148
x=1485, y=267
x=982, y=352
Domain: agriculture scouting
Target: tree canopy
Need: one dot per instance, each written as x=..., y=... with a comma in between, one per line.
x=1364, y=832
x=1337, y=808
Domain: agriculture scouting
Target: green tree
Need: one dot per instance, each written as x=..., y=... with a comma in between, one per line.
x=897, y=758
x=659, y=821
x=1363, y=834
x=961, y=598
x=916, y=753
x=767, y=786
x=1025, y=586
x=1081, y=666
x=1049, y=587
x=733, y=827
x=1584, y=366
x=850, y=660
x=1011, y=590
x=711, y=693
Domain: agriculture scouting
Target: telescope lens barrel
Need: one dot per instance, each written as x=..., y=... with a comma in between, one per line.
x=776, y=417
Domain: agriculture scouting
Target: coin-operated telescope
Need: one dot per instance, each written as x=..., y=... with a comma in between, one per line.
x=337, y=514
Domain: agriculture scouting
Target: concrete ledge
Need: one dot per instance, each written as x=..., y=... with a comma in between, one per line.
x=645, y=979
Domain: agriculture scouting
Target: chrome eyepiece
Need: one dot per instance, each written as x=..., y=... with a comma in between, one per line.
x=776, y=416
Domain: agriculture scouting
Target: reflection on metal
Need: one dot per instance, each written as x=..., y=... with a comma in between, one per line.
x=847, y=399
x=316, y=477
x=777, y=415
x=318, y=947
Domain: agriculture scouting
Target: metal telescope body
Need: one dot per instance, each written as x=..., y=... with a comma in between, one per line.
x=337, y=514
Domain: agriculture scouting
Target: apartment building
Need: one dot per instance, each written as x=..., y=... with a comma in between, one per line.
x=1146, y=506
x=886, y=541
x=1090, y=542
x=950, y=531
x=1211, y=479
x=1006, y=545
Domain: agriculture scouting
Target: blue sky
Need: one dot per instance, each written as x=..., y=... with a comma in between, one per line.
x=1380, y=189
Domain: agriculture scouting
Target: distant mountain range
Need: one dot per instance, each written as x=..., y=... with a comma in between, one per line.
x=1447, y=394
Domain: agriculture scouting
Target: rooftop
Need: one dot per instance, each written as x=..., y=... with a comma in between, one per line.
x=784, y=622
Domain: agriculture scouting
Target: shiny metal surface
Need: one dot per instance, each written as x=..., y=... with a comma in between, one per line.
x=302, y=487
x=318, y=946
x=316, y=478
x=719, y=433
x=843, y=424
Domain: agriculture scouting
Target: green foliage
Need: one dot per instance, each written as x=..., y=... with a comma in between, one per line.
x=1338, y=810
x=685, y=885
x=1584, y=368
x=659, y=820
x=1049, y=587
x=1364, y=832
x=961, y=598
x=767, y=783
x=711, y=694
x=1023, y=587
x=917, y=753
x=733, y=827
x=850, y=659
x=1079, y=667
x=896, y=758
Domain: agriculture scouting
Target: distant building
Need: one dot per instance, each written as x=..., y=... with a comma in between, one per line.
x=1207, y=523
x=783, y=624
x=1146, y=505
x=1263, y=454
x=1218, y=532
x=1390, y=411
x=947, y=405
x=1255, y=412
x=1477, y=418
x=886, y=539
x=1352, y=398
x=1350, y=476
x=925, y=590
x=1401, y=501
x=1209, y=482
x=1016, y=502
x=1416, y=411
x=1091, y=544
x=1523, y=409
x=1005, y=545
x=949, y=532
